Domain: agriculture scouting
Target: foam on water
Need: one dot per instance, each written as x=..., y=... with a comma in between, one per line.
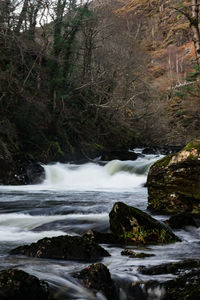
x=114, y=176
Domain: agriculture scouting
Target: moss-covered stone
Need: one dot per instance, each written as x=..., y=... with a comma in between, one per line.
x=97, y=277
x=193, y=145
x=19, y=285
x=132, y=225
x=63, y=247
x=174, y=182
x=186, y=286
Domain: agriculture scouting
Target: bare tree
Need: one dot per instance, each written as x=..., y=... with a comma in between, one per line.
x=191, y=12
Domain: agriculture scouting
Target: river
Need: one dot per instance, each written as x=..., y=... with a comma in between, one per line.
x=71, y=200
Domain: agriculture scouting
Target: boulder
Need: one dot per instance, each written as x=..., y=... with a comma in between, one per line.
x=19, y=285
x=174, y=181
x=184, y=287
x=182, y=220
x=134, y=226
x=63, y=247
x=17, y=172
x=97, y=277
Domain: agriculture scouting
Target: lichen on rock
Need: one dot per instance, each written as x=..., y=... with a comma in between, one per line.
x=19, y=285
x=174, y=181
x=97, y=277
x=63, y=247
x=134, y=226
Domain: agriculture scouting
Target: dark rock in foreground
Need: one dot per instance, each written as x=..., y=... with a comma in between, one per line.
x=63, y=247
x=170, y=268
x=134, y=226
x=19, y=285
x=174, y=181
x=182, y=288
x=181, y=220
x=97, y=277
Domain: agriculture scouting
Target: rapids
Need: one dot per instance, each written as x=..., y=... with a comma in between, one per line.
x=71, y=200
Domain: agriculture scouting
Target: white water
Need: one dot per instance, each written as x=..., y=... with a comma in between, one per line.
x=71, y=200
x=115, y=175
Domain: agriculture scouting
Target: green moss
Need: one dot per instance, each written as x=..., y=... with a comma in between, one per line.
x=193, y=145
x=148, y=236
x=55, y=146
x=163, y=162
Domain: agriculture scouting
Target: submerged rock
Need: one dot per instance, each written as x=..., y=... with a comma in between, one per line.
x=63, y=247
x=19, y=285
x=133, y=254
x=174, y=181
x=134, y=226
x=97, y=277
x=181, y=220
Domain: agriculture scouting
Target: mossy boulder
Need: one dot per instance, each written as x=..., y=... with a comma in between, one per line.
x=134, y=226
x=174, y=181
x=19, y=285
x=63, y=247
x=97, y=277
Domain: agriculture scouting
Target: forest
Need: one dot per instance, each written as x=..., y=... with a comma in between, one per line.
x=81, y=78
x=99, y=149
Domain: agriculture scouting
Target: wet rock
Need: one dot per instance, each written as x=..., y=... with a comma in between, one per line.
x=7, y=172
x=150, y=150
x=184, y=287
x=97, y=277
x=102, y=237
x=181, y=220
x=34, y=173
x=132, y=254
x=29, y=172
x=165, y=150
x=63, y=247
x=136, y=227
x=16, y=172
x=170, y=268
x=19, y=285
x=174, y=181
x=120, y=155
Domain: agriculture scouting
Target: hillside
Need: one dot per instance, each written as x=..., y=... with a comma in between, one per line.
x=166, y=35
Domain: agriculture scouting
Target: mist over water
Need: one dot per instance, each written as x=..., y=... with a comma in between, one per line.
x=71, y=200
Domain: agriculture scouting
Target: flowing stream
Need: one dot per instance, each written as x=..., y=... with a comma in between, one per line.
x=72, y=200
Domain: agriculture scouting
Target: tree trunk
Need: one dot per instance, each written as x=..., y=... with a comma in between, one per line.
x=22, y=16
x=195, y=29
